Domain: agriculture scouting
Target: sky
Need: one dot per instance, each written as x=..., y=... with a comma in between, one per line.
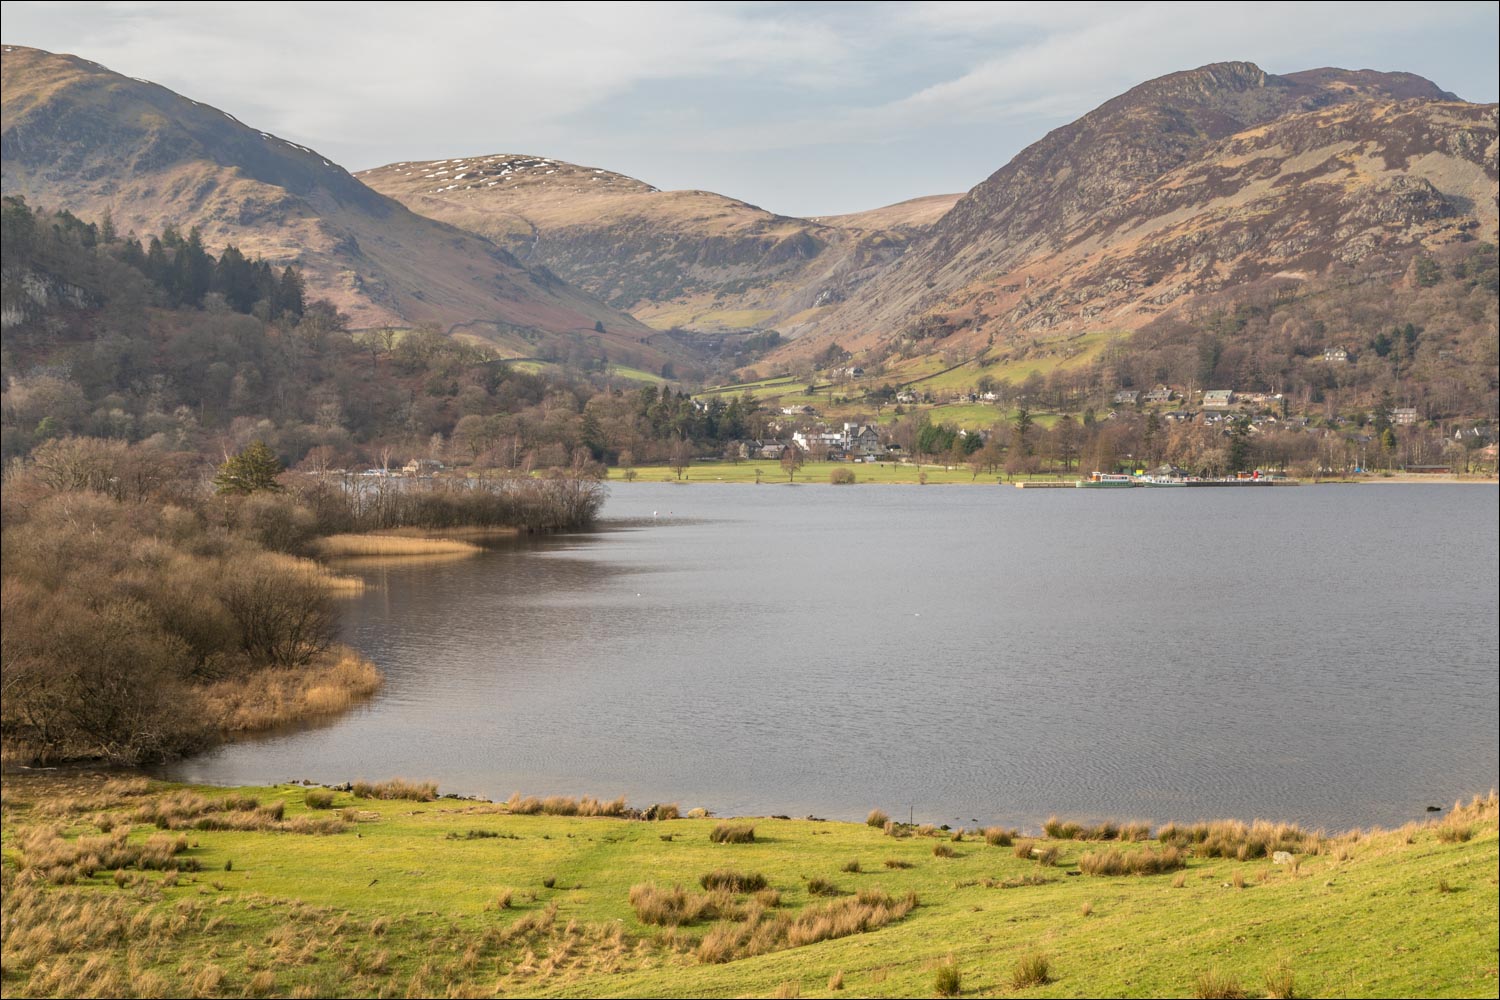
x=801, y=108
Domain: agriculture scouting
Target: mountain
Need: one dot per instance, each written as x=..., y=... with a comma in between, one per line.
x=693, y=259
x=80, y=137
x=1192, y=183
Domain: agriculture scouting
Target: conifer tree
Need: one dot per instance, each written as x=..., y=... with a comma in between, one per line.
x=253, y=469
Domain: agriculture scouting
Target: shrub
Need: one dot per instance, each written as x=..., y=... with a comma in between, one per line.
x=1031, y=969
x=733, y=881
x=877, y=819
x=841, y=477
x=732, y=833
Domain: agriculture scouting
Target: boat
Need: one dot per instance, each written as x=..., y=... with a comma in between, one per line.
x=1105, y=481
x=1154, y=481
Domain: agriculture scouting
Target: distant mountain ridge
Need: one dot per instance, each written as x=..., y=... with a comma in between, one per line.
x=1189, y=185
x=78, y=136
x=1186, y=184
x=690, y=258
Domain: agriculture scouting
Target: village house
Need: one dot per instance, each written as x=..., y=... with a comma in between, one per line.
x=1404, y=416
x=1161, y=394
x=809, y=439
x=908, y=397
x=798, y=411
x=861, y=439
x=1335, y=355
x=421, y=467
x=1128, y=397
x=1218, y=399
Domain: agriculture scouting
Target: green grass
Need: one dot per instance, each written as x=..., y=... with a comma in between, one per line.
x=428, y=897
x=635, y=375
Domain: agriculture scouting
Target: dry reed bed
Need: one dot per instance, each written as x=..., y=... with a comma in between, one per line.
x=275, y=696
x=351, y=546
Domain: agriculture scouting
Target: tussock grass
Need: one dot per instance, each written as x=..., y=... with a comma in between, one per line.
x=1139, y=862
x=943, y=851
x=47, y=856
x=1281, y=983
x=1238, y=840
x=352, y=546
x=877, y=818
x=1453, y=833
x=851, y=866
x=897, y=863
x=762, y=932
x=733, y=881
x=1031, y=969
x=948, y=981
x=732, y=833
x=1060, y=829
x=676, y=906
x=318, y=798
x=396, y=788
x=1215, y=984
x=562, y=805
x=998, y=837
x=818, y=886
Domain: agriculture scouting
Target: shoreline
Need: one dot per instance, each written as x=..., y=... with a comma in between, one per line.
x=289, y=890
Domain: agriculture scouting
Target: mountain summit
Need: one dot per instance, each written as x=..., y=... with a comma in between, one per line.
x=1187, y=184
x=80, y=137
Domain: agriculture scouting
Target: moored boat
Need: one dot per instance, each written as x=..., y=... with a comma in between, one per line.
x=1106, y=481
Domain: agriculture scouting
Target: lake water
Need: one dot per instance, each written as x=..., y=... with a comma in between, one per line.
x=958, y=654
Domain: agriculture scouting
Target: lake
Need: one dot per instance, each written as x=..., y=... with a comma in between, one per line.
x=1324, y=654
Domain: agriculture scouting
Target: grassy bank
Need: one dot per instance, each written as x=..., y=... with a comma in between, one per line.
x=120, y=885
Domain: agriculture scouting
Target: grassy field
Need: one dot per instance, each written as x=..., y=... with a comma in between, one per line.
x=123, y=887
x=812, y=472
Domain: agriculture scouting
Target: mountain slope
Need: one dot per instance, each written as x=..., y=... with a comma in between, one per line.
x=1187, y=184
x=689, y=258
x=78, y=136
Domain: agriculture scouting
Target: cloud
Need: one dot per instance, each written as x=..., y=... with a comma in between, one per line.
x=679, y=88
